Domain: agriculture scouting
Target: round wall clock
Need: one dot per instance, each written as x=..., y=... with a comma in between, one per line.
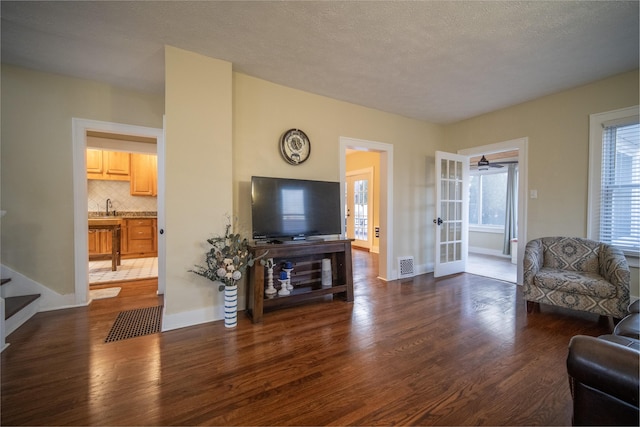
x=295, y=146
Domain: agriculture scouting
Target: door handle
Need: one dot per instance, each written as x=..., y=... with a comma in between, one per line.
x=438, y=221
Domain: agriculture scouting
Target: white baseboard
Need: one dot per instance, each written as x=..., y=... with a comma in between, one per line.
x=426, y=268
x=423, y=268
x=3, y=334
x=418, y=270
x=191, y=318
x=22, y=285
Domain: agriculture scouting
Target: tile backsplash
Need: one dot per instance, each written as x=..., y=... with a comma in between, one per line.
x=98, y=191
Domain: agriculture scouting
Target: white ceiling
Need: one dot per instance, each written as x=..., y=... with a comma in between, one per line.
x=439, y=61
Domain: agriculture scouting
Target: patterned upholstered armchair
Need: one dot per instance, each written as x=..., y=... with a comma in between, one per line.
x=576, y=273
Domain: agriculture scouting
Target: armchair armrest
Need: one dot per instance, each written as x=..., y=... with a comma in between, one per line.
x=533, y=260
x=613, y=266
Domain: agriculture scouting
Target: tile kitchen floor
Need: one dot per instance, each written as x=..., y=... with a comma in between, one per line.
x=130, y=269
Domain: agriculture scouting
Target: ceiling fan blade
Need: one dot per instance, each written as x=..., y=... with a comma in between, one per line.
x=511, y=162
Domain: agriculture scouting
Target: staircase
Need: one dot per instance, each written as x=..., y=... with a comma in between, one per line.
x=14, y=310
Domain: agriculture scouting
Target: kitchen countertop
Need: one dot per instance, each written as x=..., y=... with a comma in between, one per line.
x=123, y=215
x=104, y=221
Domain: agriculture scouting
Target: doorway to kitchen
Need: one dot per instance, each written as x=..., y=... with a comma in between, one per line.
x=122, y=189
x=139, y=220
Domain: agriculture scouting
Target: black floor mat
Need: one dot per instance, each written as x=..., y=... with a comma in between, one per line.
x=136, y=323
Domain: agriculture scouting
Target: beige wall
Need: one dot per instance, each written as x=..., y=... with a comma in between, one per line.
x=37, y=167
x=223, y=127
x=483, y=241
x=264, y=110
x=198, y=170
x=211, y=114
x=558, y=152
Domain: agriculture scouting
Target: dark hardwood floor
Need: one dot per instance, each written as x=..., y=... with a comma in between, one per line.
x=459, y=350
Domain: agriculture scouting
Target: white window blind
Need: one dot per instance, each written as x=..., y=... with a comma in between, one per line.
x=619, y=213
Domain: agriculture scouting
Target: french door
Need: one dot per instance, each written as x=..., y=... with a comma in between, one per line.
x=359, y=208
x=452, y=213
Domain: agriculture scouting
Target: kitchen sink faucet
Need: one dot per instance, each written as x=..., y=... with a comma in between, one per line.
x=107, y=207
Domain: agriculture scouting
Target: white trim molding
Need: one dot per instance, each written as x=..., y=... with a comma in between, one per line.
x=80, y=222
x=597, y=122
x=521, y=144
x=386, y=267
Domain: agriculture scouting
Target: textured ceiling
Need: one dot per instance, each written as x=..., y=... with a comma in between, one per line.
x=435, y=61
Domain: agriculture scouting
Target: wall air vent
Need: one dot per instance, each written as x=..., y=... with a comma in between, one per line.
x=405, y=267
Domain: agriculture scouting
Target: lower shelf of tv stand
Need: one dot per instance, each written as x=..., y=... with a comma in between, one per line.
x=302, y=295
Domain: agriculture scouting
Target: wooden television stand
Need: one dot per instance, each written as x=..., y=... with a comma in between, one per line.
x=306, y=277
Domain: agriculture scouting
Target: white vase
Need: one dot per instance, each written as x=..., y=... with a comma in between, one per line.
x=230, y=306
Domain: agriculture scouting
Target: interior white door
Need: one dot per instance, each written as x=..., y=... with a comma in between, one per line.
x=358, y=210
x=452, y=213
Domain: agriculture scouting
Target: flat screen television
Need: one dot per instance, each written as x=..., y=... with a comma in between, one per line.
x=294, y=209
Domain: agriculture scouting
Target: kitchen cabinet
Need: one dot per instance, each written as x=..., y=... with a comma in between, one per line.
x=124, y=242
x=144, y=174
x=108, y=165
x=140, y=238
x=95, y=243
x=99, y=242
x=112, y=227
x=94, y=162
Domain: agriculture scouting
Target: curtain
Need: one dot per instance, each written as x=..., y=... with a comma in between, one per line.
x=511, y=211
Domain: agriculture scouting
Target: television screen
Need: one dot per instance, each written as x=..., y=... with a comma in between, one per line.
x=294, y=208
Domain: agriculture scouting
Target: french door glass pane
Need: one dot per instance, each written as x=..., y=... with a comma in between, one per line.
x=361, y=225
x=451, y=211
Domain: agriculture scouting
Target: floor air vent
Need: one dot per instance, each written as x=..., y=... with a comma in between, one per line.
x=405, y=267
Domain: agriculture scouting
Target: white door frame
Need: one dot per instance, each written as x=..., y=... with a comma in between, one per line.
x=385, y=264
x=521, y=144
x=80, y=218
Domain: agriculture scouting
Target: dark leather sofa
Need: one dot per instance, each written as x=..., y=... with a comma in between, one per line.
x=604, y=374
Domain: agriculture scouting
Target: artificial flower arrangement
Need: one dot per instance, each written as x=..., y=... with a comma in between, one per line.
x=227, y=259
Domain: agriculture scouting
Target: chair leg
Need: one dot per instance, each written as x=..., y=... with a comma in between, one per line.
x=533, y=306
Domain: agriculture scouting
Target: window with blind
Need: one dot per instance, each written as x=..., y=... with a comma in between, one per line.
x=614, y=191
